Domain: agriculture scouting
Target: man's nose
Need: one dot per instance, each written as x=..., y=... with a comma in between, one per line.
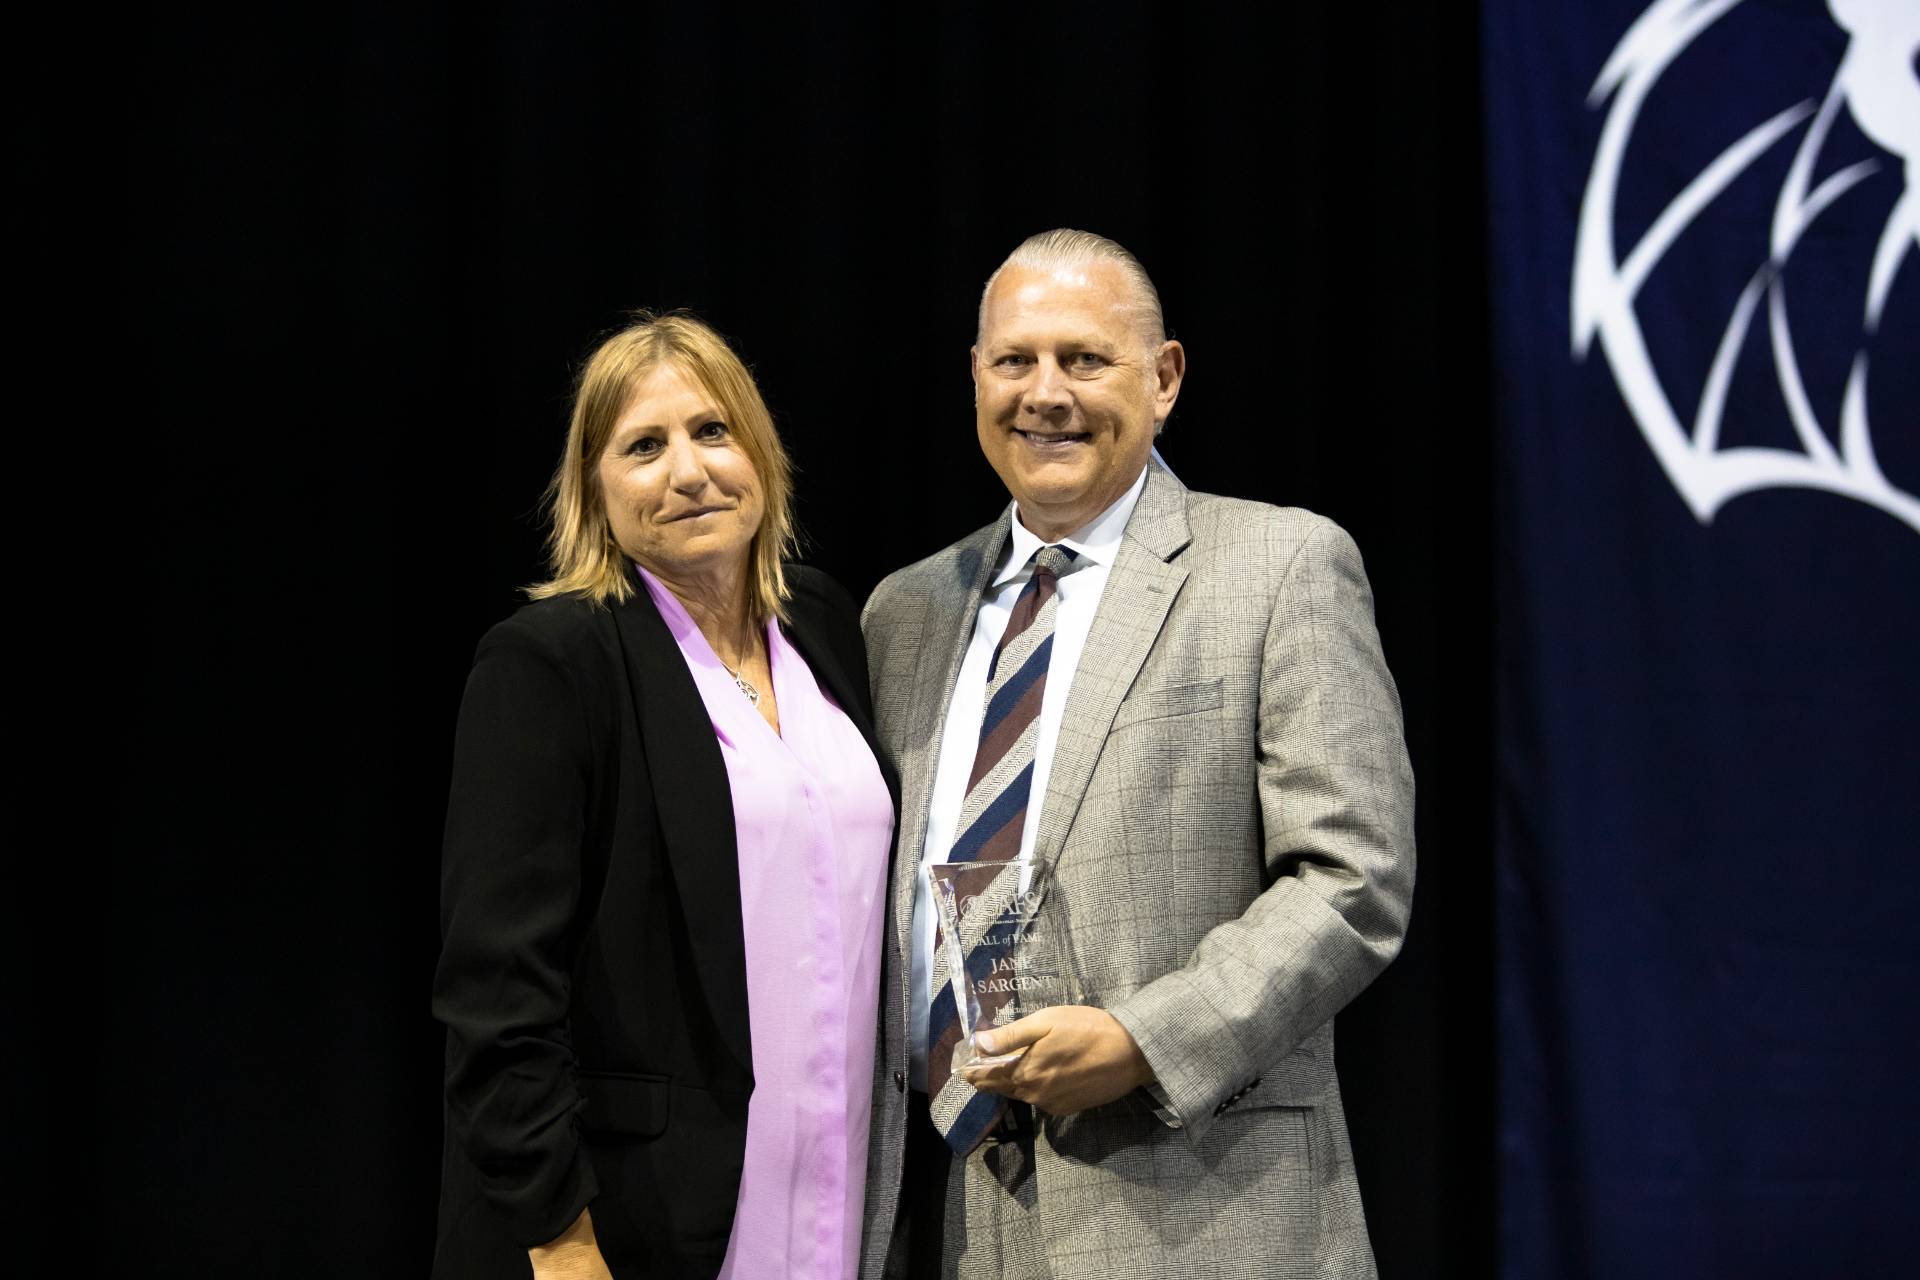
x=1047, y=393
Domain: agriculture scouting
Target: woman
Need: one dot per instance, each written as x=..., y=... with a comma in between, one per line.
x=665, y=863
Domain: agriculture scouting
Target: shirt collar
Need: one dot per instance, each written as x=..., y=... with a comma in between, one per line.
x=1096, y=542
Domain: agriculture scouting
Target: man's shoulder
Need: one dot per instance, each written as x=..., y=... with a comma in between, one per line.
x=950, y=570
x=1242, y=528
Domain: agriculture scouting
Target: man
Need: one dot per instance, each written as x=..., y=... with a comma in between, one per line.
x=1177, y=703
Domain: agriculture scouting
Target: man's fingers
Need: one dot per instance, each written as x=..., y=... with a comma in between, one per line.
x=1010, y=1043
x=1017, y=1034
x=1065, y=1059
x=991, y=1080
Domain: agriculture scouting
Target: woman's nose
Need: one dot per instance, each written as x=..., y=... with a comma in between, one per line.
x=686, y=471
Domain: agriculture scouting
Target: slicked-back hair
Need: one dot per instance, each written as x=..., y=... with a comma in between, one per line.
x=581, y=553
x=1064, y=247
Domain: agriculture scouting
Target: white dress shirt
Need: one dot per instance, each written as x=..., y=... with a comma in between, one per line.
x=1078, y=598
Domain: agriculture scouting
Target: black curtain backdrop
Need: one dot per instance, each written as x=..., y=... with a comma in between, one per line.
x=353, y=257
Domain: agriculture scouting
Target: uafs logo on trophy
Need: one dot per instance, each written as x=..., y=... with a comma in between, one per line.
x=1854, y=226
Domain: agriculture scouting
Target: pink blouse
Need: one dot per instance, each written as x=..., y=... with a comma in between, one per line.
x=813, y=822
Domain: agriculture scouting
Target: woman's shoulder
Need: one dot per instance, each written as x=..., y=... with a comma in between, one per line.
x=816, y=587
x=568, y=629
x=816, y=601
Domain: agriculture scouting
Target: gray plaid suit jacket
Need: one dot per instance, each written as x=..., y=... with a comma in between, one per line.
x=1230, y=824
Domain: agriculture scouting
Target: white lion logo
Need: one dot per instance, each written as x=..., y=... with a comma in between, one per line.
x=1876, y=83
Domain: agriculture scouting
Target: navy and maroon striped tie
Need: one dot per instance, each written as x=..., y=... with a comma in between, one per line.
x=992, y=818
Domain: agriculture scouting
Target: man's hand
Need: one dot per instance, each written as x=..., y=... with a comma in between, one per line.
x=572, y=1255
x=1075, y=1057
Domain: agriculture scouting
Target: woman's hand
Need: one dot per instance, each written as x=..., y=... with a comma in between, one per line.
x=572, y=1255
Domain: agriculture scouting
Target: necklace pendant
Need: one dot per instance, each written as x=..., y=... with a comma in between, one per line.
x=741, y=683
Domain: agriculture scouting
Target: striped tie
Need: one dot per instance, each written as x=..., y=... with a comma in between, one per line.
x=991, y=821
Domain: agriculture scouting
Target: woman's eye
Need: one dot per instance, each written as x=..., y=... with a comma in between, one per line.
x=712, y=431
x=644, y=447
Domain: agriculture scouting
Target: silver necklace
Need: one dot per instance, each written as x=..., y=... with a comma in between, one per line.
x=753, y=694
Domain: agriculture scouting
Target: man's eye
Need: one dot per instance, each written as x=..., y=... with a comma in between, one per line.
x=1011, y=362
x=1085, y=360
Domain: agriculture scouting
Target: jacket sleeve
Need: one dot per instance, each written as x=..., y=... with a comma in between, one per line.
x=1335, y=794
x=510, y=887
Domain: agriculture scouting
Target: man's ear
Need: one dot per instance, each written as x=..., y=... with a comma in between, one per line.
x=1169, y=370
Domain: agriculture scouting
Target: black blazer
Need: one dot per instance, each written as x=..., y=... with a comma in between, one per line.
x=592, y=976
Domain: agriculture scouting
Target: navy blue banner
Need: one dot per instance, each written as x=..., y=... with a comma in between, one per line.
x=1706, y=284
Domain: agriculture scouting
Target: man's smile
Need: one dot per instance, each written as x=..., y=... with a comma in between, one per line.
x=1053, y=439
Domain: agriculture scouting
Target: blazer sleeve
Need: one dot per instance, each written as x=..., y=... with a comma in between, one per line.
x=510, y=888
x=1335, y=794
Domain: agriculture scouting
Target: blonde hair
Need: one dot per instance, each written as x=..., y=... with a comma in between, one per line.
x=1064, y=247
x=581, y=552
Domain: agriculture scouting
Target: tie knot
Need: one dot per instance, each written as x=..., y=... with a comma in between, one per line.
x=1056, y=560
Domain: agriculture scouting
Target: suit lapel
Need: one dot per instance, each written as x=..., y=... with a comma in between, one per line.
x=1139, y=592
x=946, y=629
x=694, y=805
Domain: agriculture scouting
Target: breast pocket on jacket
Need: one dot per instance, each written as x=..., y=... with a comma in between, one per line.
x=1169, y=772
x=1167, y=701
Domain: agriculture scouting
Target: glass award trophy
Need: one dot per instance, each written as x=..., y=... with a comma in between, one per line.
x=1000, y=946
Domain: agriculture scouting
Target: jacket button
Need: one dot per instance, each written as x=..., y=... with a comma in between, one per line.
x=899, y=1082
